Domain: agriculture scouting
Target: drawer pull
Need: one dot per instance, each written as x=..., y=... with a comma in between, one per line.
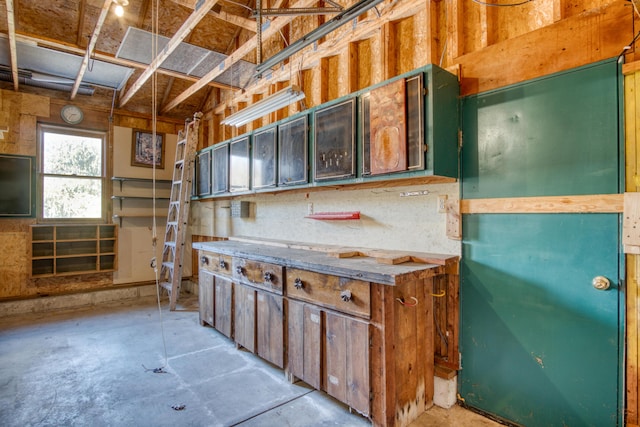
x=346, y=296
x=204, y=260
x=298, y=283
x=240, y=270
x=268, y=276
x=223, y=264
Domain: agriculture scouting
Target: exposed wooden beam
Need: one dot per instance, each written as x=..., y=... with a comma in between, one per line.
x=276, y=25
x=239, y=21
x=167, y=91
x=80, y=41
x=175, y=41
x=144, y=10
x=11, y=26
x=90, y=47
x=601, y=203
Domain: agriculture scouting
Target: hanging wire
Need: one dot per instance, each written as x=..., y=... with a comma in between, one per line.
x=628, y=47
x=154, y=239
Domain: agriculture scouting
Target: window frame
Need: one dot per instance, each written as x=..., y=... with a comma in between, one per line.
x=43, y=128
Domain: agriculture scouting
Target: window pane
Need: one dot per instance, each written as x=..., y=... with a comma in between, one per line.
x=72, y=155
x=72, y=197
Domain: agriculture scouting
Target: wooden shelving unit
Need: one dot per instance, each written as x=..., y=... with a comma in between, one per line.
x=140, y=194
x=62, y=250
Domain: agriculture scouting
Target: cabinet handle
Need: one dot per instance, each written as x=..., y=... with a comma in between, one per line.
x=298, y=283
x=268, y=277
x=240, y=270
x=204, y=260
x=223, y=264
x=346, y=296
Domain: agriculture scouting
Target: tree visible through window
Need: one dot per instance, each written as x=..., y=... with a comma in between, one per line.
x=72, y=166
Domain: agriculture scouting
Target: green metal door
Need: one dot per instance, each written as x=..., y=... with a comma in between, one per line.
x=540, y=345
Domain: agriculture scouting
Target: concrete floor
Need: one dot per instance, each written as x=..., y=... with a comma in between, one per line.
x=94, y=367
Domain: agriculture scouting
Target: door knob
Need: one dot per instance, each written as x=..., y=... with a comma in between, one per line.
x=601, y=283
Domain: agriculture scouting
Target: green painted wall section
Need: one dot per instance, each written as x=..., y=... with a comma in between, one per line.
x=540, y=346
x=539, y=343
x=548, y=137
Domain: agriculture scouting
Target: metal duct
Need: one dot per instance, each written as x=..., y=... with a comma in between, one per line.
x=25, y=79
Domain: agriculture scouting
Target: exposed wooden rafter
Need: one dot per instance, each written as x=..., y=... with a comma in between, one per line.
x=81, y=14
x=175, y=41
x=239, y=21
x=276, y=25
x=11, y=26
x=90, y=47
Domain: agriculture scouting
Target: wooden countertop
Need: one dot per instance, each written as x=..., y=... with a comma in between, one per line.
x=371, y=265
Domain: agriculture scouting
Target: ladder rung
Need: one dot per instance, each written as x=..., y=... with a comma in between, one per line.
x=166, y=285
x=172, y=244
x=168, y=264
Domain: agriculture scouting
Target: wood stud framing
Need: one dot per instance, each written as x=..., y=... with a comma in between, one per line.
x=632, y=160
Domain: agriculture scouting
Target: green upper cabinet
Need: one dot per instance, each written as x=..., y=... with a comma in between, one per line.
x=550, y=137
x=416, y=120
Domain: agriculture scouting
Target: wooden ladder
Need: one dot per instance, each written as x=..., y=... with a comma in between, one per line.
x=178, y=214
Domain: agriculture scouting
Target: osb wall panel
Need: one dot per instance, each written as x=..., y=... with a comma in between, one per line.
x=581, y=39
x=632, y=159
x=19, y=115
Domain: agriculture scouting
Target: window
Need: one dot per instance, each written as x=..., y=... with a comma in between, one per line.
x=71, y=173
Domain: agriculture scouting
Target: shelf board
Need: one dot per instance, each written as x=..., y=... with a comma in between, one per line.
x=119, y=218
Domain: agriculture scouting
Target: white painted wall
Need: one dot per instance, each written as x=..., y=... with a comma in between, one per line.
x=388, y=221
x=135, y=236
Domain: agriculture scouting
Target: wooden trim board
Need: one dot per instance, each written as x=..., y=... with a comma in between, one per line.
x=599, y=203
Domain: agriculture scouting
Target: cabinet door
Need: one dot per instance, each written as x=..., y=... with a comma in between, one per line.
x=270, y=328
x=223, y=302
x=205, y=297
x=347, y=361
x=304, y=338
x=245, y=316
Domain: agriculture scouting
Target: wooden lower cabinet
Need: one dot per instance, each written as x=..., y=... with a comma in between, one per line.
x=259, y=323
x=205, y=297
x=245, y=316
x=369, y=345
x=223, y=303
x=270, y=319
x=330, y=352
x=347, y=361
x=304, y=342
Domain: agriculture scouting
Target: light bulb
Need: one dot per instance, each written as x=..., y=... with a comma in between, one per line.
x=119, y=11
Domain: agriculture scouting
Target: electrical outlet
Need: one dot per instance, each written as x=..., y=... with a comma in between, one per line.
x=309, y=208
x=442, y=203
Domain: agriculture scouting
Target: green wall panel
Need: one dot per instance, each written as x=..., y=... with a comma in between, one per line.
x=548, y=137
x=540, y=344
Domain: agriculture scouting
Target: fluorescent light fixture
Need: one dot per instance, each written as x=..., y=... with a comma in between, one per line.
x=265, y=106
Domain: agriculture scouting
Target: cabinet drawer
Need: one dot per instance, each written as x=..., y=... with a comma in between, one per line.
x=258, y=274
x=340, y=293
x=215, y=263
